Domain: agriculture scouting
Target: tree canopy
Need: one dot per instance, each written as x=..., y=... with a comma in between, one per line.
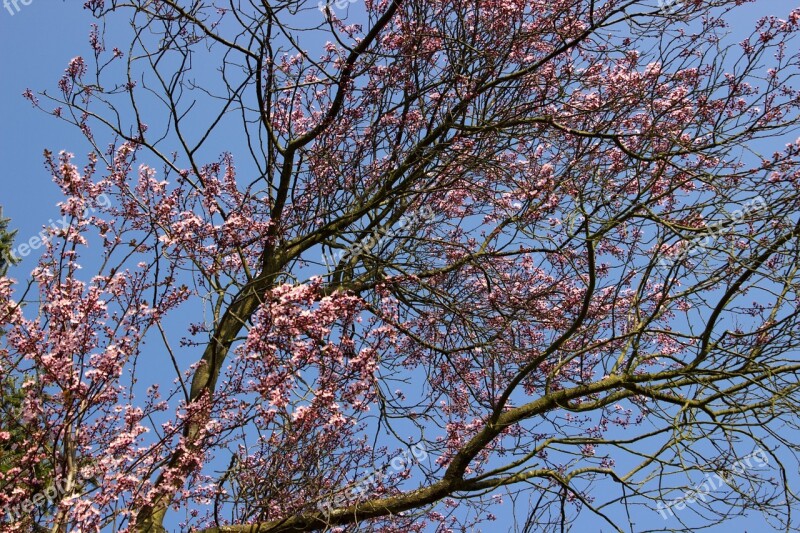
x=403, y=266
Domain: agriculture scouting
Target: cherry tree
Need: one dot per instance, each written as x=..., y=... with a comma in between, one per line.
x=409, y=265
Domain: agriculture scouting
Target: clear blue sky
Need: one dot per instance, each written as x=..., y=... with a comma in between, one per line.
x=36, y=43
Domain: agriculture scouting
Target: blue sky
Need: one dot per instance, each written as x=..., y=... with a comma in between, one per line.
x=36, y=43
x=35, y=46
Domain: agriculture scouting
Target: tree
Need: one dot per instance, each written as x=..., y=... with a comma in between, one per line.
x=557, y=268
x=8, y=394
x=6, y=241
x=13, y=438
